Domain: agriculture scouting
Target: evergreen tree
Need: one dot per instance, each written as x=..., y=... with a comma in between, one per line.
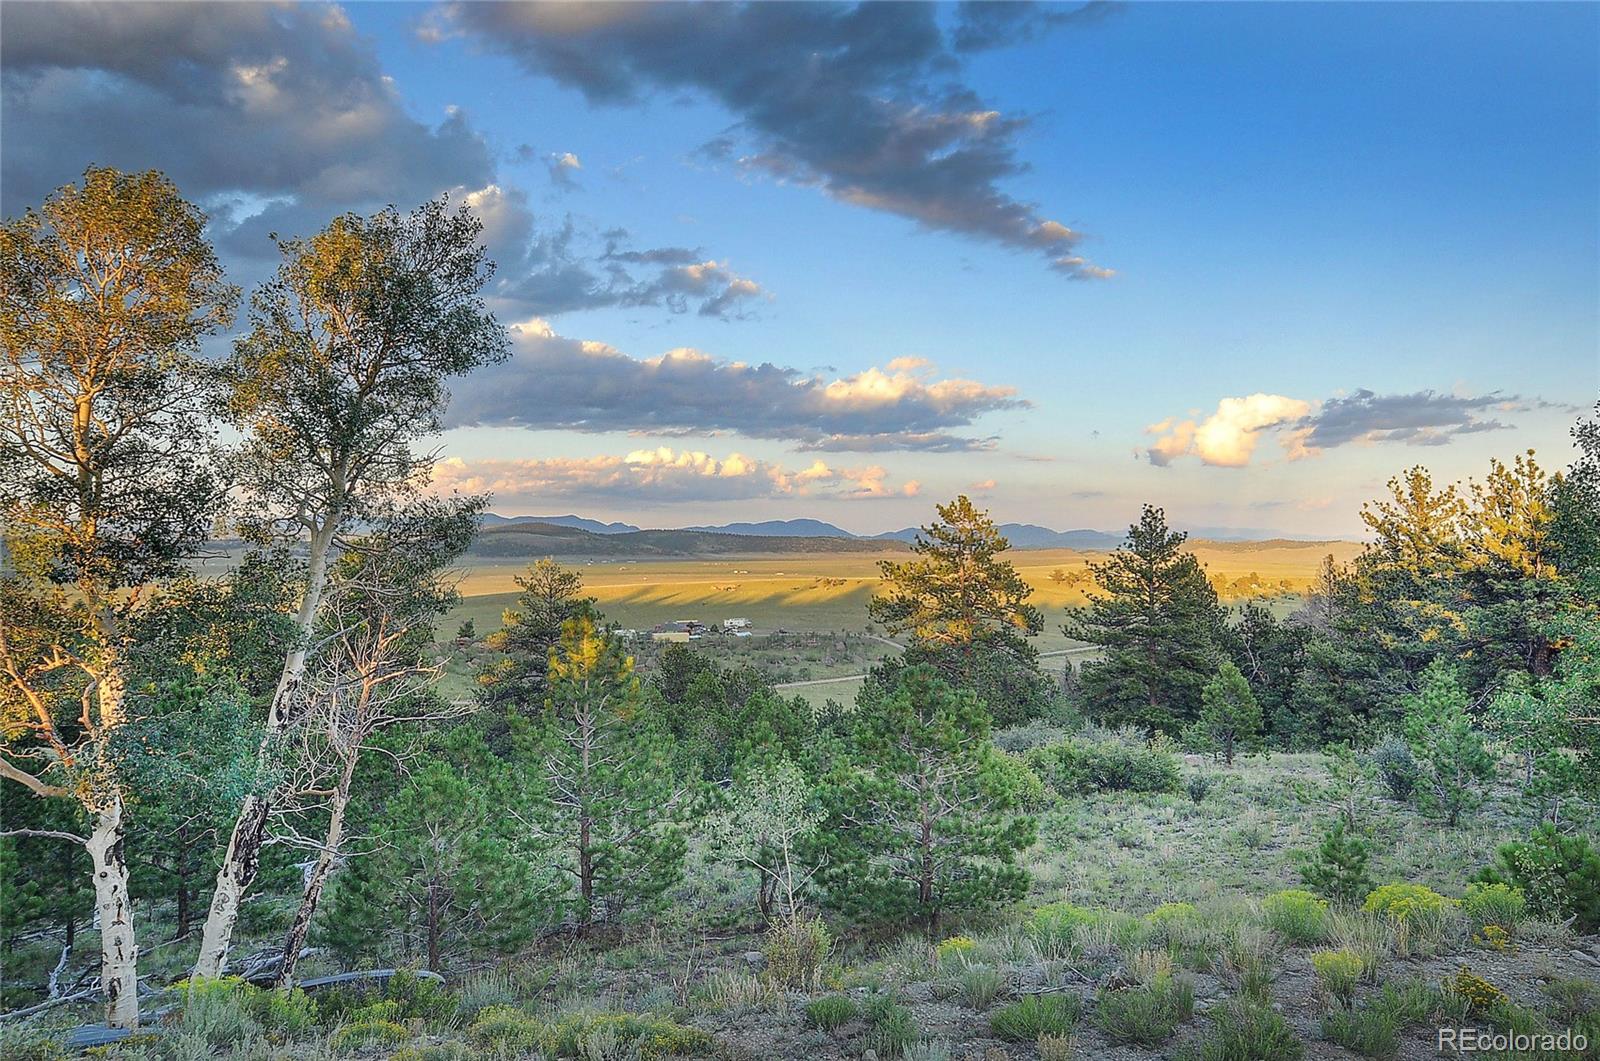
x=1156, y=616
x=1454, y=762
x=1575, y=505
x=922, y=809
x=445, y=870
x=1230, y=718
x=967, y=613
x=550, y=596
x=1271, y=655
x=601, y=786
x=1338, y=869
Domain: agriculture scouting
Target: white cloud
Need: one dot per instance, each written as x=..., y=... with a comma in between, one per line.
x=662, y=474
x=1228, y=437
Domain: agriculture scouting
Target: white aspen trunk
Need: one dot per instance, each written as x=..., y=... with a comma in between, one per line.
x=119, y=953
x=243, y=857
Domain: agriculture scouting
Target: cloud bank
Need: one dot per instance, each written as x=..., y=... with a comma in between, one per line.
x=553, y=382
x=275, y=118
x=1228, y=437
x=863, y=102
x=662, y=475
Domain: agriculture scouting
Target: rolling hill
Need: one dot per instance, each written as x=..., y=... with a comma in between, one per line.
x=522, y=539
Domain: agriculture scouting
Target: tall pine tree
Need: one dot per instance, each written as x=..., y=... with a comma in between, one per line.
x=1156, y=616
x=601, y=788
x=923, y=812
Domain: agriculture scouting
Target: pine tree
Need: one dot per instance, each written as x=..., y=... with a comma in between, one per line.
x=1156, y=616
x=445, y=871
x=550, y=596
x=1230, y=718
x=966, y=610
x=1338, y=870
x=600, y=781
x=922, y=811
x=1271, y=655
x=1455, y=765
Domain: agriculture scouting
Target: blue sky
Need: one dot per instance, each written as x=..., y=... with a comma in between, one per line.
x=1316, y=243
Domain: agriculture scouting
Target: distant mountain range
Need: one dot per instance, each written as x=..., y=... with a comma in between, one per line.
x=570, y=534
x=593, y=526
x=522, y=538
x=786, y=528
x=1032, y=536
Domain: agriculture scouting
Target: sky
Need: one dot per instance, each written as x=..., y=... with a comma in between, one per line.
x=1243, y=261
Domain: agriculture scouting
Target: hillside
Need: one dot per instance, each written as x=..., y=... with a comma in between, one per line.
x=546, y=539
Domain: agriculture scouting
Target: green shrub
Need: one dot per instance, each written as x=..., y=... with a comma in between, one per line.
x=218, y=1012
x=419, y=997
x=1369, y=936
x=1571, y=1000
x=1076, y=767
x=795, y=950
x=1409, y=1003
x=1493, y=904
x=1198, y=786
x=1369, y=1031
x=1146, y=1015
x=1396, y=767
x=831, y=1011
x=1164, y=917
x=478, y=993
x=1559, y=876
x=979, y=985
x=1296, y=915
x=891, y=1027
x=449, y=1050
x=647, y=1036
x=291, y=1012
x=954, y=947
x=1401, y=902
x=505, y=1028
x=1036, y=1015
x=1338, y=971
x=1249, y=961
x=1419, y=917
x=368, y=1033
x=1055, y=926
x=383, y=1009
x=22, y=1043
x=1244, y=1030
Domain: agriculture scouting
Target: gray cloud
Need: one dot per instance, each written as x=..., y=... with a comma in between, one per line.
x=1424, y=418
x=1229, y=437
x=273, y=116
x=863, y=102
x=982, y=25
x=547, y=273
x=553, y=382
x=277, y=117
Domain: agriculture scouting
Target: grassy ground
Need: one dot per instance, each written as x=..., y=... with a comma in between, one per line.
x=694, y=975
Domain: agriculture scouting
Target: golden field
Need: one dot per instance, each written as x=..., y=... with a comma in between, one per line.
x=807, y=592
